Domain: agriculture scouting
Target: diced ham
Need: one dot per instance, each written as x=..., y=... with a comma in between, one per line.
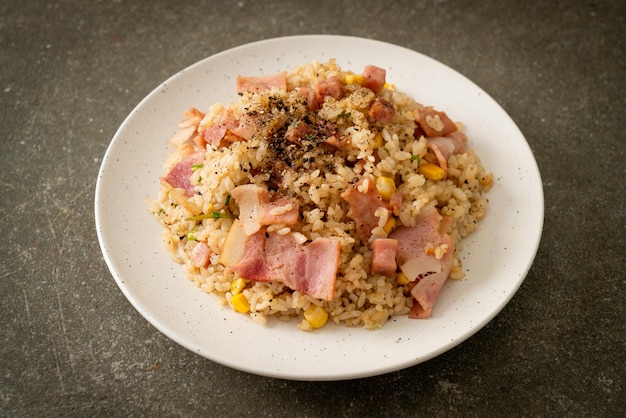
x=384, y=252
x=434, y=122
x=179, y=175
x=363, y=205
x=310, y=269
x=325, y=128
x=301, y=131
x=382, y=110
x=336, y=142
x=417, y=257
x=314, y=97
x=311, y=97
x=374, y=78
x=298, y=131
x=330, y=87
x=200, y=255
x=256, y=210
x=255, y=84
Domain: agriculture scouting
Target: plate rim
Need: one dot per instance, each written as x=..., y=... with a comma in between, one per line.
x=111, y=263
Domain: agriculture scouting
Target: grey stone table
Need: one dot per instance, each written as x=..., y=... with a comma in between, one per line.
x=72, y=344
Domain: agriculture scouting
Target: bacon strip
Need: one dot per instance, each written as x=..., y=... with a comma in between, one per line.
x=179, y=175
x=256, y=209
x=252, y=265
x=426, y=291
x=268, y=82
x=417, y=258
x=363, y=205
x=213, y=134
x=310, y=269
x=444, y=146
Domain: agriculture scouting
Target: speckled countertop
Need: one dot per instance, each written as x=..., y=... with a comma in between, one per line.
x=73, y=345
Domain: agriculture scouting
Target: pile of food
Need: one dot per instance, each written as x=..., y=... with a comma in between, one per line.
x=321, y=194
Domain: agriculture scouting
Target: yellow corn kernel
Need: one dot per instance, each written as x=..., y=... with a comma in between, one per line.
x=431, y=171
x=240, y=303
x=391, y=223
x=402, y=279
x=316, y=316
x=378, y=140
x=237, y=286
x=385, y=186
x=354, y=78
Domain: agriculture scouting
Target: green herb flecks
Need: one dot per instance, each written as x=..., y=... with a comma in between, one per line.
x=212, y=215
x=344, y=115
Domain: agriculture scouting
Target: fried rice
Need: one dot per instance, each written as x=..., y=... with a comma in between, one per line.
x=347, y=142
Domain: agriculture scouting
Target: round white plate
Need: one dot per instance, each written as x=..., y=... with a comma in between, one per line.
x=497, y=257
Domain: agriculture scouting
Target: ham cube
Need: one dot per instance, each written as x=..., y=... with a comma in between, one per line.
x=384, y=252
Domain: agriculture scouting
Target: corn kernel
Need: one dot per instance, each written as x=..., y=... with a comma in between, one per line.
x=391, y=223
x=385, y=186
x=402, y=279
x=240, y=303
x=431, y=171
x=237, y=286
x=316, y=316
x=378, y=140
x=354, y=78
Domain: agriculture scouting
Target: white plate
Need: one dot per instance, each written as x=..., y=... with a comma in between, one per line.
x=497, y=257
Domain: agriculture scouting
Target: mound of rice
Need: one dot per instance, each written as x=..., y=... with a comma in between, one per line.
x=374, y=149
